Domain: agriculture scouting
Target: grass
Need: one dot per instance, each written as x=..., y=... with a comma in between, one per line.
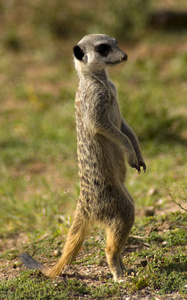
x=162, y=248
x=39, y=183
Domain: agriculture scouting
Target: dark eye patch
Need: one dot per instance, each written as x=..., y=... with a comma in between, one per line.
x=103, y=49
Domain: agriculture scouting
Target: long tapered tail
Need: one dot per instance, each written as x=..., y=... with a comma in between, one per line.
x=73, y=244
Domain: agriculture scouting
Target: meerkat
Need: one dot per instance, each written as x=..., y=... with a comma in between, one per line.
x=104, y=141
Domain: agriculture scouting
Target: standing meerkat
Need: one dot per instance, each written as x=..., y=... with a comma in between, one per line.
x=104, y=140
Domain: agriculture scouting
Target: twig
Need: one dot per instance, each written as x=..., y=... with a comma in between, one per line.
x=140, y=238
x=173, y=200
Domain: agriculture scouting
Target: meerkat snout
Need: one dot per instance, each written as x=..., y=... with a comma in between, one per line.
x=124, y=57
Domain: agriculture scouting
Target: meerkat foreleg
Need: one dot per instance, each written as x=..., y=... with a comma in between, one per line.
x=127, y=130
x=110, y=131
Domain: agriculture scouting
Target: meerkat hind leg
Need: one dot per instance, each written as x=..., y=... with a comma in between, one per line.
x=121, y=262
x=113, y=255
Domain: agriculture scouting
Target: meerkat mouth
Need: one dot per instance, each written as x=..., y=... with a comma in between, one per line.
x=114, y=63
x=117, y=62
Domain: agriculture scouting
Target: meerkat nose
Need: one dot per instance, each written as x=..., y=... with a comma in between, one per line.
x=124, y=57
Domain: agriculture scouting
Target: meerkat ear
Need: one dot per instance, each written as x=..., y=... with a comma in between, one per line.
x=78, y=52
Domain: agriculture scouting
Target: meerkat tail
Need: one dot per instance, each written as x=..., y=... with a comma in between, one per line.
x=30, y=262
x=33, y=264
x=73, y=244
x=75, y=238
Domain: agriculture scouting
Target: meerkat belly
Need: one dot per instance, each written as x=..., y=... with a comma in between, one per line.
x=99, y=161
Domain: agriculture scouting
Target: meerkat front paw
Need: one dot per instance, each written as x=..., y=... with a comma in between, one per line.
x=143, y=165
x=138, y=166
x=135, y=166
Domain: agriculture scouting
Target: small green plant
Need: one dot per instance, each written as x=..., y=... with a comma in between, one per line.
x=181, y=195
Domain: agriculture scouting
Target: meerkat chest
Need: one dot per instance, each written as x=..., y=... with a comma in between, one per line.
x=96, y=99
x=114, y=111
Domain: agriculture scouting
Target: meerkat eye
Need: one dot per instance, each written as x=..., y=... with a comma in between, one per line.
x=103, y=49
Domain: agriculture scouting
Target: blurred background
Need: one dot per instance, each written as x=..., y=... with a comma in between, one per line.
x=38, y=173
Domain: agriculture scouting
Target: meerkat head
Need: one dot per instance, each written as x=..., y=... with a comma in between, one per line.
x=96, y=52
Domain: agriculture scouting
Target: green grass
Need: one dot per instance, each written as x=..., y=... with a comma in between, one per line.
x=163, y=249
x=39, y=183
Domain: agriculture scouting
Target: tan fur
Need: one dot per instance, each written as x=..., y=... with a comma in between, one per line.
x=103, y=138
